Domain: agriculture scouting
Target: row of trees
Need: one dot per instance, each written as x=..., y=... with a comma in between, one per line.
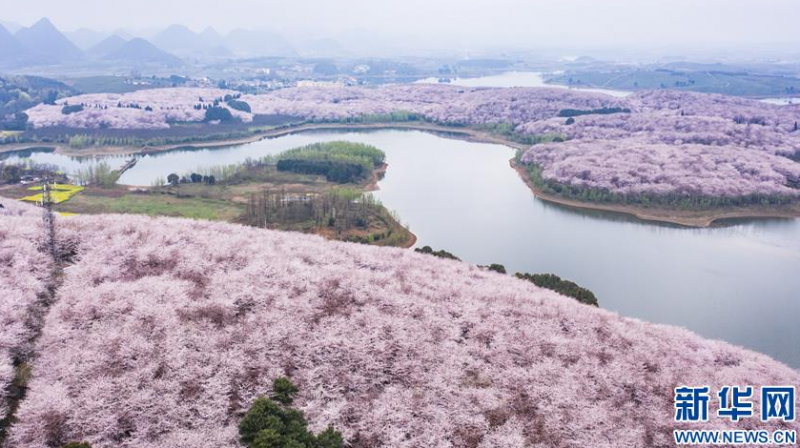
x=339, y=209
x=101, y=175
x=600, y=111
x=193, y=178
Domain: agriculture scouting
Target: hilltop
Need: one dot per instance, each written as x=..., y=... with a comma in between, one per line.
x=163, y=331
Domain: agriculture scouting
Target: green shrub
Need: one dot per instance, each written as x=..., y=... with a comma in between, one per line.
x=283, y=391
x=330, y=438
x=497, y=268
x=438, y=253
x=273, y=424
x=239, y=105
x=66, y=110
x=561, y=286
x=218, y=113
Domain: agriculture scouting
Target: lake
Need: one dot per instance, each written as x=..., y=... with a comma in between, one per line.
x=737, y=282
x=517, y=79
x=781, y=101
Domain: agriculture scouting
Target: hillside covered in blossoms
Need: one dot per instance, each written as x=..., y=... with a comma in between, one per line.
x=162, y=332
x=652, y=142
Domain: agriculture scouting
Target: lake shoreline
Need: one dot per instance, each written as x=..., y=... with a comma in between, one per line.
x=685, y=218
x=94, y=151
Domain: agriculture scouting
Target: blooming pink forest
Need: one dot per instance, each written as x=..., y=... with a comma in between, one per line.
x=670, y=142
x=162, y=332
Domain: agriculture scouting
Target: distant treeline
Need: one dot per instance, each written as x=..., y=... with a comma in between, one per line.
x=339, y=210
x=339, y=161
x=561, y=286
x=181, y=133
x=601, y=111
x=393, y=117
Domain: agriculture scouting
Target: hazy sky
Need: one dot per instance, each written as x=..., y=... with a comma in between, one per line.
x=517, y=22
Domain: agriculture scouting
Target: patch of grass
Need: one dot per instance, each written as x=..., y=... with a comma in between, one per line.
x=22, y=375
x=156, y=205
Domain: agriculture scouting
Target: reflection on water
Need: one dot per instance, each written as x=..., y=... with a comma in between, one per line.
x=738, y=281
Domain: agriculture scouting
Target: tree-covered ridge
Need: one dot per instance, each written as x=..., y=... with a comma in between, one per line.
x=165, y=332
x=338, y=161
x=19, y=93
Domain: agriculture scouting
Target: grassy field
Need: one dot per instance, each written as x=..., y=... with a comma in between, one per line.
x=112, y=84
x=153, y=204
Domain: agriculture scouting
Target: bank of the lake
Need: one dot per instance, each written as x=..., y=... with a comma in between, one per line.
x=682, y=217
x=95, y=151
x=688, y=218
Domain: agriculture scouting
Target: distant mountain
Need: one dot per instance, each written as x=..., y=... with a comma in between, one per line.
x=258, y=43
x=211, y=38
x=140, y=51
x=85, y=38
x=125, y=33
x=322, y=48
x=178, y=39
x=11, y=51
x=108, y=46
x=47, y=43
x=12, y=27
x=182, y=41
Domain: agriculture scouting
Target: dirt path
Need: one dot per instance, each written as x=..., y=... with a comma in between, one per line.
x=36, y=316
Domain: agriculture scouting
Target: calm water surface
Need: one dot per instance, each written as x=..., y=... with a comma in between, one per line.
x=518, y=79
x=740, y=282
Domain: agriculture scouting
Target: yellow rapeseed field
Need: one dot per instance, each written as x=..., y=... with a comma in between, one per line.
x=58, y=193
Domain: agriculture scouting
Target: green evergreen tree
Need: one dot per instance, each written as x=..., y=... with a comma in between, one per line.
x=273, y=424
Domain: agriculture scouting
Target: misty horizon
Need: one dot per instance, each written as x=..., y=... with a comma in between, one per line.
x=658, y=27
